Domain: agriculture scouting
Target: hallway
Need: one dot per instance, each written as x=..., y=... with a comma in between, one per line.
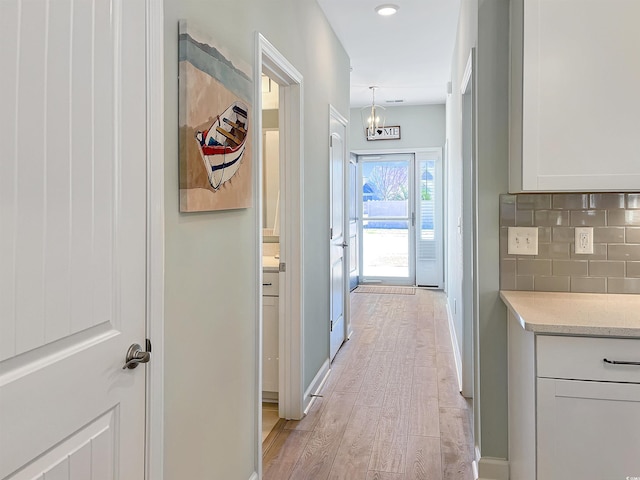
x=390, y=410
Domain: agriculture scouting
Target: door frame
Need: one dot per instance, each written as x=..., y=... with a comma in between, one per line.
x=291, y=328
x=417, y=153
x=154, y=448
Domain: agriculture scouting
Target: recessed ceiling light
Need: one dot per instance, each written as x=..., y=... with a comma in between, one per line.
x=387, y=9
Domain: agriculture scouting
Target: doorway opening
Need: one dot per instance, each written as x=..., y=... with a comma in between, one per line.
x=281, y=287
x=400, y=218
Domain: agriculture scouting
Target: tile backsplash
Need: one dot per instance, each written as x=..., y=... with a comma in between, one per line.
x=614, y=266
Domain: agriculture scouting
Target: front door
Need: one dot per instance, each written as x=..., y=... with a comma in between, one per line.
x=337, y=244
x=73, y=239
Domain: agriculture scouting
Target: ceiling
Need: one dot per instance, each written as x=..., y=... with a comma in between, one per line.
x=407, y=55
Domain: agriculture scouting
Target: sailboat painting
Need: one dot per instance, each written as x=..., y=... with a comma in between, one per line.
x=215, y=94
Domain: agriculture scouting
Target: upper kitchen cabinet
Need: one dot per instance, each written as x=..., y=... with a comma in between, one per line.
x=575, y=95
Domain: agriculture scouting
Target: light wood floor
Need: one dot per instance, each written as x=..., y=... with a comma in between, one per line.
x=390, y=409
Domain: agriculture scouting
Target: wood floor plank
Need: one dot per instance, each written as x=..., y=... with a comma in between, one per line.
x=390, y=444
x=317, y=458
x=352, y=459
x=279, y=460
x=456, y=443
x=448, y=387
x=424, y=461
x=310, y=420
x=424, y=409
x=373, y=475
x=374, y=384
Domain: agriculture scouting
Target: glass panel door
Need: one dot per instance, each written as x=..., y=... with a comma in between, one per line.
x=429, y=270
x=386, y=219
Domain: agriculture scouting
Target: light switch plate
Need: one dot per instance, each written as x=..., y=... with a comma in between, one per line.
x=523, y=241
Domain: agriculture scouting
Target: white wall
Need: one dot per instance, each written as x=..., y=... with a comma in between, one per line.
x=210, y=305
x=421, y=126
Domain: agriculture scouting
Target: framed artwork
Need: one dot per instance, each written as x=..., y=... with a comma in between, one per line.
x=215, y=108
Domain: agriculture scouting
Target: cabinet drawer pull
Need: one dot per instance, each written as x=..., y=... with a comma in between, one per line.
x=617, y=362
x=267, y=284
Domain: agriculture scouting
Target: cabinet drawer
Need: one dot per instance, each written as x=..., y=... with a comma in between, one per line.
x=270, y=285
x=582, y=358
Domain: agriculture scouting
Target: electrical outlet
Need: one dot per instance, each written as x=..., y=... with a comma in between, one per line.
x=523, y=241
x=584, y=240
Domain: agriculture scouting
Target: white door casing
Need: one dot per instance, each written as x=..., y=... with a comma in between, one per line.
x=73, y=244
x=338, y=273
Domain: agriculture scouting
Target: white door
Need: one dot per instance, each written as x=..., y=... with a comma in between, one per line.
x=337, y=244
x=72, y=242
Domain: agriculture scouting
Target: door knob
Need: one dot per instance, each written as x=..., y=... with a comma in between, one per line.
x=136, y=355
x=345, y=244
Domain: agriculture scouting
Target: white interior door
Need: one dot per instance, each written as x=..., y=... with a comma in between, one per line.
x=338, y=245
x=73, y=240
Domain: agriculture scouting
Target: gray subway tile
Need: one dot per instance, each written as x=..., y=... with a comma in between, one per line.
x=504, y=242
x=606, y=268
x=570, y=201
x=632, y=235
x=508, y=266
x=524, y=218
x=589, y=218
x=623, y=285
x=524, y=282
x=623, y=252
x=534, y=201
x=599, y=252
x=533, y=267
x=608, y=235
x=507, y=282
x=570, y=268
x=633, y=200
x=606, y=201
x=544, y=234
x=551, y=218
x=553, y=250
x=507, y=214
x=588, y=285
x=623, y=217
x=633, y=270
x=551, y=284
x=563, y=234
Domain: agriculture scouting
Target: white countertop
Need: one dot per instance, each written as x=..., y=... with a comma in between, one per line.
x=594, y=314
x=270, y=263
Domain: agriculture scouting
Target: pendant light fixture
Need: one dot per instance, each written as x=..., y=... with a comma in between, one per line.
x=372, y=116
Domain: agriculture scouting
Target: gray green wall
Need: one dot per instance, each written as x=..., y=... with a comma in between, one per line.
x=483, y=24
x=421, y=126
x=210, y=258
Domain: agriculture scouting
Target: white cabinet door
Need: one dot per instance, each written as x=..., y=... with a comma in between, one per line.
x=588, y=430
x=575, y=97
x=270, y=344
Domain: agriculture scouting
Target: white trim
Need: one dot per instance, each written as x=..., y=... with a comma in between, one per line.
x=455, y=346
x=254, y=476
x=291, y=300
x=466, y=76
x=154, y=468
x=316, y=385
x=493, y=469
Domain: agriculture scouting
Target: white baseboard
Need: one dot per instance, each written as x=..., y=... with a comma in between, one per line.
x=493, y=469
x=455, y=346
x=254, y=476
x=316, y=384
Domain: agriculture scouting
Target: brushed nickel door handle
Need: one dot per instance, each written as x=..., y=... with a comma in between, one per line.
x=136, y=355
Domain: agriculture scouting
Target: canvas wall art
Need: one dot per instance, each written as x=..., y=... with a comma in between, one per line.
x=215, y=100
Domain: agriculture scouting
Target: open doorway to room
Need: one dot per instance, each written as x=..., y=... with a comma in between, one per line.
x=400, y=218
x=278, y=187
